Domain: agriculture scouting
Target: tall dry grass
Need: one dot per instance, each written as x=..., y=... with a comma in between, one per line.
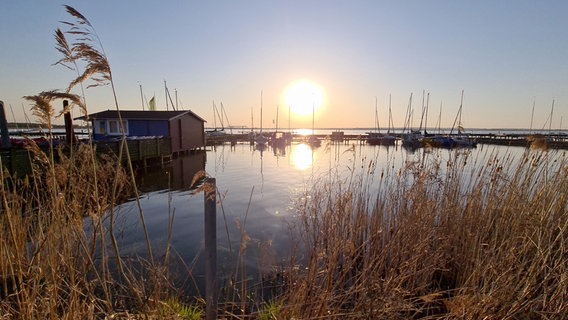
x=482, y=238
x=467, y=238
x=59, y=258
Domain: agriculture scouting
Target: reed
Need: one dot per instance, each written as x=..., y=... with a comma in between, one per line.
x=471, y=238
x=56, y=261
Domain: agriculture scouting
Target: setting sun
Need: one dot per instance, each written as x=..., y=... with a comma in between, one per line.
x=303, y=97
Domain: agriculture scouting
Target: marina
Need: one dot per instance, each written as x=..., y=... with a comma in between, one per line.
x=158, y=149
x=504, y=137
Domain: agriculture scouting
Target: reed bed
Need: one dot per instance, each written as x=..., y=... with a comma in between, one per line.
x=59, y=257
x=467, y=239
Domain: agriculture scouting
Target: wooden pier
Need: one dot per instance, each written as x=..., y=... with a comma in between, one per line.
x=553, y=141
x=18, y=160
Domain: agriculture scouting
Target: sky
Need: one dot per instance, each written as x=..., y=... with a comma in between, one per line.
x=505, y=55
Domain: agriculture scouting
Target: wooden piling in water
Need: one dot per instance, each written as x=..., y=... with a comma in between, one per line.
x=69, y=132
x=210, y=249
x=4, y=128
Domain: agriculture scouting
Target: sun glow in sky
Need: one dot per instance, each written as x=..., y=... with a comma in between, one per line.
x=304, y=97
x=505, y=55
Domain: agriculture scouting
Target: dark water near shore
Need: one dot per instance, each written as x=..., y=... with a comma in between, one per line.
x=258, y=190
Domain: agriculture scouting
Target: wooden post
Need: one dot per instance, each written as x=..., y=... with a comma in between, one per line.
x=6, y=143
x=210, y=249
x=69, y=134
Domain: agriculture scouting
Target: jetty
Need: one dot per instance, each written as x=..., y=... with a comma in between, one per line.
x=553, y=140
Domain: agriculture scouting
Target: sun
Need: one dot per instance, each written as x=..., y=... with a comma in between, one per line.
x=303, y=97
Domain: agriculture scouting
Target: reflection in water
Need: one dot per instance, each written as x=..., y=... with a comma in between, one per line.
x=261, y=148
x=279, y=151
x=302, y=156
x=174, y=175
x=258, y=191
x=220, y=158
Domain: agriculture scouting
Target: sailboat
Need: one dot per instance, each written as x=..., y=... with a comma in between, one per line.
x=413, y=138
x=376, y=138
x=540, y=140
x=216, y=135
x=313, y=140
x=252, y=135
x=261, y=140
x=390, y=138
x=461, y=140
x=373, y=137
x=288, y=135
x=278, y=140
x=438, y=140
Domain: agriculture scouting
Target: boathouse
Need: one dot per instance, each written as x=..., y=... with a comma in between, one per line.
x=184, y=129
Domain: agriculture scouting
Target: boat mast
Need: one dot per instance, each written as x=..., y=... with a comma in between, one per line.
x=391, y=125
x=276, y=119
x=458, y=117
x=224, y=113
x=408, y=118
x=251, y=119
x=377, y=117
x=426, y=113
x=460, y=113
x=174, y=107
x=422, y=115
x=289, y=118
x=176, y=95
x=141, y=96
x=440, y=119
x=532, y=115
x=16, y=122
x=214, y=116
x=551, y=112
x=313, y=116
x=166, y=94
x=260, y=111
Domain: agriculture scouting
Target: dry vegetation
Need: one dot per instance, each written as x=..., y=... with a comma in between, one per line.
x=59, y=258
x=486, y=240
x=467, y=239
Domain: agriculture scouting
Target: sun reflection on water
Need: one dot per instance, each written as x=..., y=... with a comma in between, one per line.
x=304, y=132
x=302, y=156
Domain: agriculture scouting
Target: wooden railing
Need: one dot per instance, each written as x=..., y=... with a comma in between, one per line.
x=18, y=160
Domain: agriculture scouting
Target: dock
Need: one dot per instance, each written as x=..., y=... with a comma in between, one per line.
x=18, y=160
x=553, y=141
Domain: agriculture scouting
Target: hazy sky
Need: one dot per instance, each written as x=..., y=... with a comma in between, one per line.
x=505, y=55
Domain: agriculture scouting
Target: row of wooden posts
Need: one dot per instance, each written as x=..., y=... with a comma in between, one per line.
x=5, y=133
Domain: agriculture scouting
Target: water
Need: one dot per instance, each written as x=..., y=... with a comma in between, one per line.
x=257, y=192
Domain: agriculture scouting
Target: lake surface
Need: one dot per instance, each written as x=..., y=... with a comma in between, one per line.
x=257, y=190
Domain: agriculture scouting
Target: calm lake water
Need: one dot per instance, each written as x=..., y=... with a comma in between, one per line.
x=258, y=190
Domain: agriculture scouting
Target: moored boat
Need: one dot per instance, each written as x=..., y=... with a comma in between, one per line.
x=376, y=138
